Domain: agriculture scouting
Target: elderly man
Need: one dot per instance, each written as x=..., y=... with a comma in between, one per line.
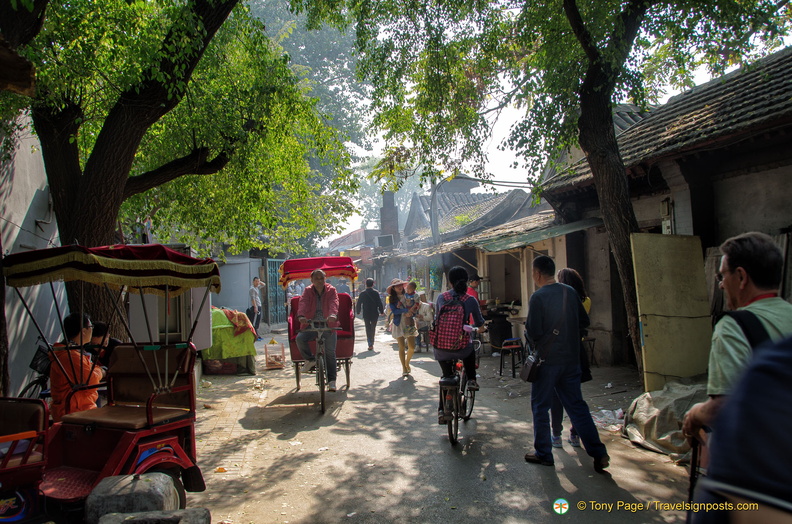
x=254, y=311
x=750, y=275
x=319, y=302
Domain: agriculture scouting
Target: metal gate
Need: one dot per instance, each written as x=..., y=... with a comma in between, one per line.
x=276, y=296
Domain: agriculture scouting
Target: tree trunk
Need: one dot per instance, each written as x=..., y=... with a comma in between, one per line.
x=598, y=141
x=5, y=376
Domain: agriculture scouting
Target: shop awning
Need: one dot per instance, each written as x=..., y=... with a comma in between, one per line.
x=512, y=240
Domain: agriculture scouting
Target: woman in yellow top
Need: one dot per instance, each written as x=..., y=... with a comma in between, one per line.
x=573, y=279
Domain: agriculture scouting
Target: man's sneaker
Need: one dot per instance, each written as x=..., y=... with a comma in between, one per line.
x=495, y=354
x=556, y=441
x=472, y=385
x=574, y=441
x=310, y=365
x=331, y=387
x=601, y=463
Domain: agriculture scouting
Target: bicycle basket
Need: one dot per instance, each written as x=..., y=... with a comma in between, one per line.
x=41, y=362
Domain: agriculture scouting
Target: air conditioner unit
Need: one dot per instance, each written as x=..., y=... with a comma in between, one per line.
x=385, y=241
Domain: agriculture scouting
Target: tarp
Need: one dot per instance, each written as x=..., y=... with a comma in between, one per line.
x=298, y=268
x=151, y=267
x=654, y=420
x=226, y=341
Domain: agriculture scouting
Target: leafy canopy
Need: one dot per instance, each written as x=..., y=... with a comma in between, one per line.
x=443, y=70
x=243, y=109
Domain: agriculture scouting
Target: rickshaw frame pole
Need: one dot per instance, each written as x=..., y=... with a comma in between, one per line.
x=145, y=315
x=200, y=309
x=118, y=312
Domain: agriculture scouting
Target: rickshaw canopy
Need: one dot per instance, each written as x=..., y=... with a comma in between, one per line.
x=151, y=267
x=297, y=268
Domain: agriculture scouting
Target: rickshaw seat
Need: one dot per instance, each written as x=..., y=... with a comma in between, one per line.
x=130, y=388
x=121, y=416
x=346, y=336
x=23, y=426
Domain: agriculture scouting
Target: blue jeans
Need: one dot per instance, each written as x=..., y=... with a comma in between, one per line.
x=330, y=339
x=563, y=380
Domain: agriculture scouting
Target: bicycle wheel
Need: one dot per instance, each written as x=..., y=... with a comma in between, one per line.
x=468, y=399
x=320, y=380
x=453, y=423
x=33, y=390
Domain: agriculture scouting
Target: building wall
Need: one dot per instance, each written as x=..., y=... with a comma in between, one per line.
x=237, y=276
x=598, y=285
x=754, y=202
x=24, y=198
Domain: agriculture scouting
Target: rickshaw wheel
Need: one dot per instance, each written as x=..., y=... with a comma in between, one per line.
x=177, y=484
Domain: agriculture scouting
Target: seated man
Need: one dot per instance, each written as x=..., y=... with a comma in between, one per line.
x=319, y=302
x=78, y=367
x=103, y=344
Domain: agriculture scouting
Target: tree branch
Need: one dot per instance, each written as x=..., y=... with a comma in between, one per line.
x=195, y=163
x=579, y=28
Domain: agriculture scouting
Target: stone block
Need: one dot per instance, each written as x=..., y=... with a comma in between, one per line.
x=131, y=494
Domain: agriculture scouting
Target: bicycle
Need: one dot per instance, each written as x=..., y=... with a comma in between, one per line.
x=319, y=327
x=456, y=397
x=39, y=386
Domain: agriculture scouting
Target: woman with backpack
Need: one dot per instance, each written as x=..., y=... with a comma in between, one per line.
x=452, y=342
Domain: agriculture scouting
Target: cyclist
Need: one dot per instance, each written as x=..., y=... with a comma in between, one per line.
x=319, y=302
x=458, y=277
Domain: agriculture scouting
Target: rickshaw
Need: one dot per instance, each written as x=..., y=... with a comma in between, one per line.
x=301, y=268
x=148, y=421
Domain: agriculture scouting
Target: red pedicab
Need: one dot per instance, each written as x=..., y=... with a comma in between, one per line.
x=301, y=268
x=148, y=423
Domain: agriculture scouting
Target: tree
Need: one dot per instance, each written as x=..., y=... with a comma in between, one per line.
x=442, y=69
x=138, y=101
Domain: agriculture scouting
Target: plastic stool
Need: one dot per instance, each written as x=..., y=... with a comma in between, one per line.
x=513, y=345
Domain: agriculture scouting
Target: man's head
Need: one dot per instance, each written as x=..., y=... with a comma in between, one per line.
x=99, y=333
x=543, y=269
x=318, y=278
x=411, y=287
x=752, y=264
x=256, y=281
x=78, y=328
x=474, y=281
x=369, y=282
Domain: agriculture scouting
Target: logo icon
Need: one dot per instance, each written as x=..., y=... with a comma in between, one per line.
x=560, y=506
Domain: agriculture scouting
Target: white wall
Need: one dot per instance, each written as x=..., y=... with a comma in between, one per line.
x=236, y=274
x=24, y=199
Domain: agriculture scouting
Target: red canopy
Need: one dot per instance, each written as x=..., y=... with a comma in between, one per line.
x=297, y=268
x=151, y=267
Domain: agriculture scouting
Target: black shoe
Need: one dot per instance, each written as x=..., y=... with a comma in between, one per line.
x=441, y=419
x=601, y=463
x=472, y=385
x=533, y=459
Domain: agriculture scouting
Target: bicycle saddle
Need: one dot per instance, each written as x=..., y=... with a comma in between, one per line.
x=450, y=381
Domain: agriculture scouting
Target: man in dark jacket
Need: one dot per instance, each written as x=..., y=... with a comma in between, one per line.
x=370, y=303
x=555, y=320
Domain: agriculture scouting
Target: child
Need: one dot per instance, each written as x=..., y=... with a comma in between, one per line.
x=411, y=302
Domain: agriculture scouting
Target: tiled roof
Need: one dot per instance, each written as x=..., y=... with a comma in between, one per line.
x=752, y=99
x=452, y=205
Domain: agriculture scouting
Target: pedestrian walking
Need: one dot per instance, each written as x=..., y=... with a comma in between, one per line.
x=571, y=278
x=370, y=304
x=254, y=311
x=556, y=320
